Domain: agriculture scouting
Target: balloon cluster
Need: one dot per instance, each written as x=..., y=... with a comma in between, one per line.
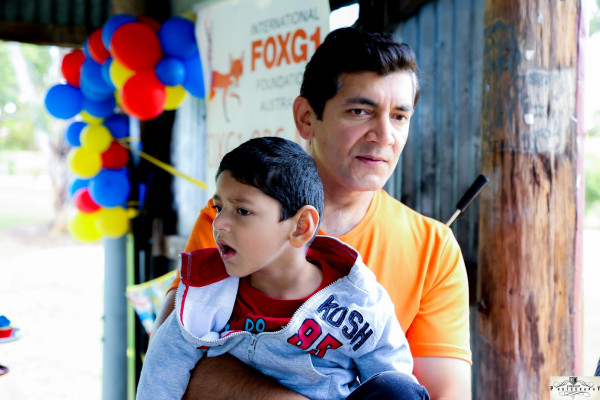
x=129, y=67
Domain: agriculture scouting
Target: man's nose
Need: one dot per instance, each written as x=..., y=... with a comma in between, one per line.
x=381, y=131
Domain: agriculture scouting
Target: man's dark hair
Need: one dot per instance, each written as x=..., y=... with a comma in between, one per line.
x=349, y=50
x=279, y=168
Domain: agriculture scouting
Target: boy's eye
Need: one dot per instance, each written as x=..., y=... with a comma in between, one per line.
x=217, y=207
x=243, y=211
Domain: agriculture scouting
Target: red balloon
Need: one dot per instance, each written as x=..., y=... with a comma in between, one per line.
x=83, y=201
x=115, y=157
x=136, y=46
x=152, y=23
x=96, y=48
x=71, y=66
x=143, y=96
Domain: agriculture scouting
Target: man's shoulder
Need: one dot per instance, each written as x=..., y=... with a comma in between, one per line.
x=391, y=212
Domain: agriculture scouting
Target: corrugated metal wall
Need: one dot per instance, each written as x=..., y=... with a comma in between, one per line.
x=442, y=155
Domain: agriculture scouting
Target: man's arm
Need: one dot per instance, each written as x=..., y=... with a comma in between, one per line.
x=225, y=377
x=444, y=378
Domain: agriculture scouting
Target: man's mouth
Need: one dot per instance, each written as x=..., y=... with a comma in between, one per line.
x=370, y=159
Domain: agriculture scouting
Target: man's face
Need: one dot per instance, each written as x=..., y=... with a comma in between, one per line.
x=364, y=128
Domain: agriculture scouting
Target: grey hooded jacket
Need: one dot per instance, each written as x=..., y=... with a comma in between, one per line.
x=341, y=336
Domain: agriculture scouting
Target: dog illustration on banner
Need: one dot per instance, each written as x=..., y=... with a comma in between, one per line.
x=224, y=81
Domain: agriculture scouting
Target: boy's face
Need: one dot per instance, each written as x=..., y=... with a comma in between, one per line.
x=247, y=229
x=364, y=128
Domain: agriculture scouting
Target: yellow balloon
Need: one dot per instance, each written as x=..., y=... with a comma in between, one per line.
x=118, y=98
x=89, y=118
x=84, y=162
x=119, y=74
x=96, y=138
x=175, y=96
x=113, y=222
x=82, y=226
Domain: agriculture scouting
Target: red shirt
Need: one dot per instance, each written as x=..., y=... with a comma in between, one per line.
x=256, y=312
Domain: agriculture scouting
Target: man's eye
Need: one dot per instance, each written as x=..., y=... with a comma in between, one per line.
x=358, y=111
x=243, y=211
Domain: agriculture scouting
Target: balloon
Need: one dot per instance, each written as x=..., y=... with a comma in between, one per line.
x=143, y=96
x=150, y=22
x=175, y=96
x=115, y=157
x=82, y=226
x=83, y=162
x=118, y=125
x=112, y=24
x=90, y=119
x=73, y=132
x=113, y=222
x=136, y=46
x=96, y=47
x=110, y=188
x=96, y=137
x=119, y=74
x=194, y=80
x=170, y=71
x=177, y=37
x=105, y=70
x=84, y=202
x=71, y=67
x=77, y=183
x=63, y=101
x=100, y=109
x=93, y=84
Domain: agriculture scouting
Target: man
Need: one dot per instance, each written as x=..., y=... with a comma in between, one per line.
x=358, y=95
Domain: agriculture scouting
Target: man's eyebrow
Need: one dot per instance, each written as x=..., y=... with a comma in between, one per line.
x=368, y=102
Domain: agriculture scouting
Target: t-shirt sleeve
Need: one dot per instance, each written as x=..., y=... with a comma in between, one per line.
x=201, y=236
x=441, y=326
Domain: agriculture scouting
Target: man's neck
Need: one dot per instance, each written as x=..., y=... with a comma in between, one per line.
x=343, y=212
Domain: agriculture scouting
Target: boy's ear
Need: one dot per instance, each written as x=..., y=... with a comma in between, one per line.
x=302, y=117
x=306, y=222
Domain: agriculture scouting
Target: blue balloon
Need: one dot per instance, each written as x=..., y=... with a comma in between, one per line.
x=177, y=38
x=170, y=71
x=110, y=188
x=100, y=109
x=84, y=48
x=111, y=25
x=93, y=82
x=73, y=133
x=77, y=183
x=194, y=79
x=118, y=125
x=105, y=70
x=63, y=101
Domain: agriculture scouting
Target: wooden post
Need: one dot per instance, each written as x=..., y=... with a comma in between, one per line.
x=524, y=331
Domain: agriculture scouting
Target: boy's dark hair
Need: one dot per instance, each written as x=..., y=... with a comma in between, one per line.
x=349, y=50
x=279, y=168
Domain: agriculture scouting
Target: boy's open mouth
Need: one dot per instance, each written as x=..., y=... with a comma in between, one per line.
x=226, y=251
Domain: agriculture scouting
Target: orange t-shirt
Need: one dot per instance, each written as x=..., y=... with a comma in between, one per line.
x=417, y=260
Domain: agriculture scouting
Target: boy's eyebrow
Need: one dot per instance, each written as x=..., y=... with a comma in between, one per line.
x=238, y=200
x=368, y=102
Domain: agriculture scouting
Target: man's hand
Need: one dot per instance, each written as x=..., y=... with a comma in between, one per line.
x=226, y=378
x=444, y=378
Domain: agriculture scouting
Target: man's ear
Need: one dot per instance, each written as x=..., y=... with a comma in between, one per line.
x=306, y=222
x=302, y=117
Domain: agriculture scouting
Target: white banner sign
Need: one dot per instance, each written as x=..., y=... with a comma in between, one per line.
x=253, y=58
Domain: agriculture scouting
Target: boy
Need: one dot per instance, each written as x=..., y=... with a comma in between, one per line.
x=314, y=320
